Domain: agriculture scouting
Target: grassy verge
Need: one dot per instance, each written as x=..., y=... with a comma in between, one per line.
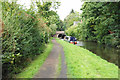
x=33, y=68
x=59, y=65
x=82, y=63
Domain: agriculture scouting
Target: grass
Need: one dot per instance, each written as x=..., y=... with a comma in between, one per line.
x=59, y=65
x=33, y=68
x=82, y=63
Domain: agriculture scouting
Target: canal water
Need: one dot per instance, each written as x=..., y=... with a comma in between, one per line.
x=108, y=53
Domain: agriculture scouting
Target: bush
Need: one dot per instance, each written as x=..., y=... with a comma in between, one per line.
x=112, y=41
x=24, y=36
x=72, y=31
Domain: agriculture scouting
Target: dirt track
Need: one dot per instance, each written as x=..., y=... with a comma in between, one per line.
x=50, y=66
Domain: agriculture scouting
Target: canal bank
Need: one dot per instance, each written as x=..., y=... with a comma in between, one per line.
x=82, y=63
x=108, y=53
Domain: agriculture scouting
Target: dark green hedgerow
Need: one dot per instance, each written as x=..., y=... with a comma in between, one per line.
x=33, y=68
x=24, y=37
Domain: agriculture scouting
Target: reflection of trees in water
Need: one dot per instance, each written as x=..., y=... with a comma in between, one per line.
x=108, y=53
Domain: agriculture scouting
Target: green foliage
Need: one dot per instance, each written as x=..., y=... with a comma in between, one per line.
x=53, y=28
x=50, y=16
x=24, y=37
x=103, y=21
x=100, y=23
x=72, y=31
x=35, y=65
x=44, y=7
x=53, y=20
x=69, y=20
x=72, y=11
x=82, y=63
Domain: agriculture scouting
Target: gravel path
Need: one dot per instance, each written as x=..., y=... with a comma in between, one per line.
x=50, y=66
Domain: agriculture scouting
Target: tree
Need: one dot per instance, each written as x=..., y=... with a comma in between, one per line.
x=69, y=20
x=72, y=11
x=50, y=16
x=102, y=22
x=99, y=23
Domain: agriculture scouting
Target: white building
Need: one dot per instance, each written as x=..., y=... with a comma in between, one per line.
x=75, y=23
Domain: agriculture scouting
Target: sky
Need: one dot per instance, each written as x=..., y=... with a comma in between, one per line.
x=67, y=6
x=64, y=9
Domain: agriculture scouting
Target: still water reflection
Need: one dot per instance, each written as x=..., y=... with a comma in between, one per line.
x=108, y=53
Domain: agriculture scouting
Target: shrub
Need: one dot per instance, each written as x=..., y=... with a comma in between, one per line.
x=24, y=36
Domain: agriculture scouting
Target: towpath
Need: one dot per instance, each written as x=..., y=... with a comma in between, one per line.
x=50, y=66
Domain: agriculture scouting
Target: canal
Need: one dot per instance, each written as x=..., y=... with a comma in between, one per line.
x=108, y=53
